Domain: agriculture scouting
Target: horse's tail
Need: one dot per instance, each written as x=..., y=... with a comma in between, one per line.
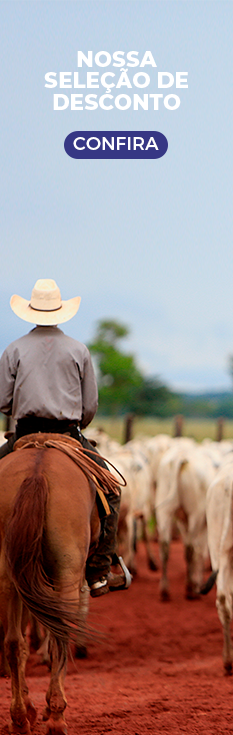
x=24, y=543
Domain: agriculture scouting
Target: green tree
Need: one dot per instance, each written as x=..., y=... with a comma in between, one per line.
x=118, y=375
x=122, y=387
x=155, y=399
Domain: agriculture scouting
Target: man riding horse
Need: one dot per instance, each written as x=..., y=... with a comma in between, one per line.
x=47, y=384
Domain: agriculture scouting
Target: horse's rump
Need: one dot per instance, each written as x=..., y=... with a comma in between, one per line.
x=46, y=526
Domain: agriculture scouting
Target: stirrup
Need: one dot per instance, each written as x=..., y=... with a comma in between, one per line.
x=112, y=582
x=128, y=577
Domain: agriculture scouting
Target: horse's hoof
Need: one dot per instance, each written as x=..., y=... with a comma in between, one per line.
x=24, y=729
x=228, y=668
x=46, y=714
x=56, y=727
x=31, y=711
x=3, y=672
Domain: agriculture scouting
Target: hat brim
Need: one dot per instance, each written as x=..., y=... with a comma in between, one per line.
x=21, y=307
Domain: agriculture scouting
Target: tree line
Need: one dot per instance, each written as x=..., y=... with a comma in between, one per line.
x=124, y=389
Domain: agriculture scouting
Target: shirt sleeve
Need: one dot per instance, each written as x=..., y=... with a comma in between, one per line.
x=89, y=391
x=7, y=382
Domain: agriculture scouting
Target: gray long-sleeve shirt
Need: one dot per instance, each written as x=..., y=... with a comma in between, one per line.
x=48, y=374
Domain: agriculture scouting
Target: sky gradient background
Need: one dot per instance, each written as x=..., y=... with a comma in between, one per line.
x=148, y=243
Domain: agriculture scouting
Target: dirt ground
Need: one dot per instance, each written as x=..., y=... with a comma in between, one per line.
x=157, y=667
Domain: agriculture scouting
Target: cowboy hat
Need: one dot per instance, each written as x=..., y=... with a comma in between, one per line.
x=46, y=307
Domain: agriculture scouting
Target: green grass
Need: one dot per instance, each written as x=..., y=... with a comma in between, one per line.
x=196, y=428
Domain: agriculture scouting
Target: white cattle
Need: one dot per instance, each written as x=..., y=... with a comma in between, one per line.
x=104, y=444
x=153, y=448
x=222, y=448
x=126, y=530
x=146, y=453
x=184, y=475
x=219, y=512
x=135, y=502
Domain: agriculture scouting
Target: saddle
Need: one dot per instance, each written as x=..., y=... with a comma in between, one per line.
x=70, y=446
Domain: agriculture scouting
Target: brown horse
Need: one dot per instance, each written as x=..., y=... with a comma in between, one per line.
x=48, y=525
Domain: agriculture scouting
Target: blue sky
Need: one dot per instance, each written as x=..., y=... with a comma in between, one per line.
x=146, y=242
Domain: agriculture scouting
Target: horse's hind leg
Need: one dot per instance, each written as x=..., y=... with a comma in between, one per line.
x=55, y=697
x=23, y=712
x=31, y=710
x=69, y=595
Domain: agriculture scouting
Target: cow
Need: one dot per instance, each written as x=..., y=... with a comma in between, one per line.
x=184, y=476
x=135, y=502
x=219, y=513
x=103, y=443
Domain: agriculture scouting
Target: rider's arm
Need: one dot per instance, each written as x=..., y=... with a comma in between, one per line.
x=7, y=382
x=89, y=391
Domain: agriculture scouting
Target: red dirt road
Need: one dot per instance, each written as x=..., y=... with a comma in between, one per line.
x=157, y=670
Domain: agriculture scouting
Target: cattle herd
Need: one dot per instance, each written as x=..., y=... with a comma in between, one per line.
x=178, y=484
x=184, y=485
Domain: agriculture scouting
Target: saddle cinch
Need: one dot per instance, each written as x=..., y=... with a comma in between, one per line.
x=100, y=476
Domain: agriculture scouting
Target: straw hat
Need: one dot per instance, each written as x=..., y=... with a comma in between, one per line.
x=46, y=307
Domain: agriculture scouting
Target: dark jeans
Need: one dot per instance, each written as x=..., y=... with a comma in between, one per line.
x=99, y=563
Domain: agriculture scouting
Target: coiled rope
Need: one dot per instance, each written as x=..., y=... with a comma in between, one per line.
x=75, y=451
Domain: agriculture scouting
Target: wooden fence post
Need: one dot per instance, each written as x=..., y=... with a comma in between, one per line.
x=219, y=434
x=178, y=425
x=128, y=432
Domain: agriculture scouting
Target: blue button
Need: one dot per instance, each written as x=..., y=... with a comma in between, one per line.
x=113, y=144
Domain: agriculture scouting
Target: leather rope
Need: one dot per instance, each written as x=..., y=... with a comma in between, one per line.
x=86, y=464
